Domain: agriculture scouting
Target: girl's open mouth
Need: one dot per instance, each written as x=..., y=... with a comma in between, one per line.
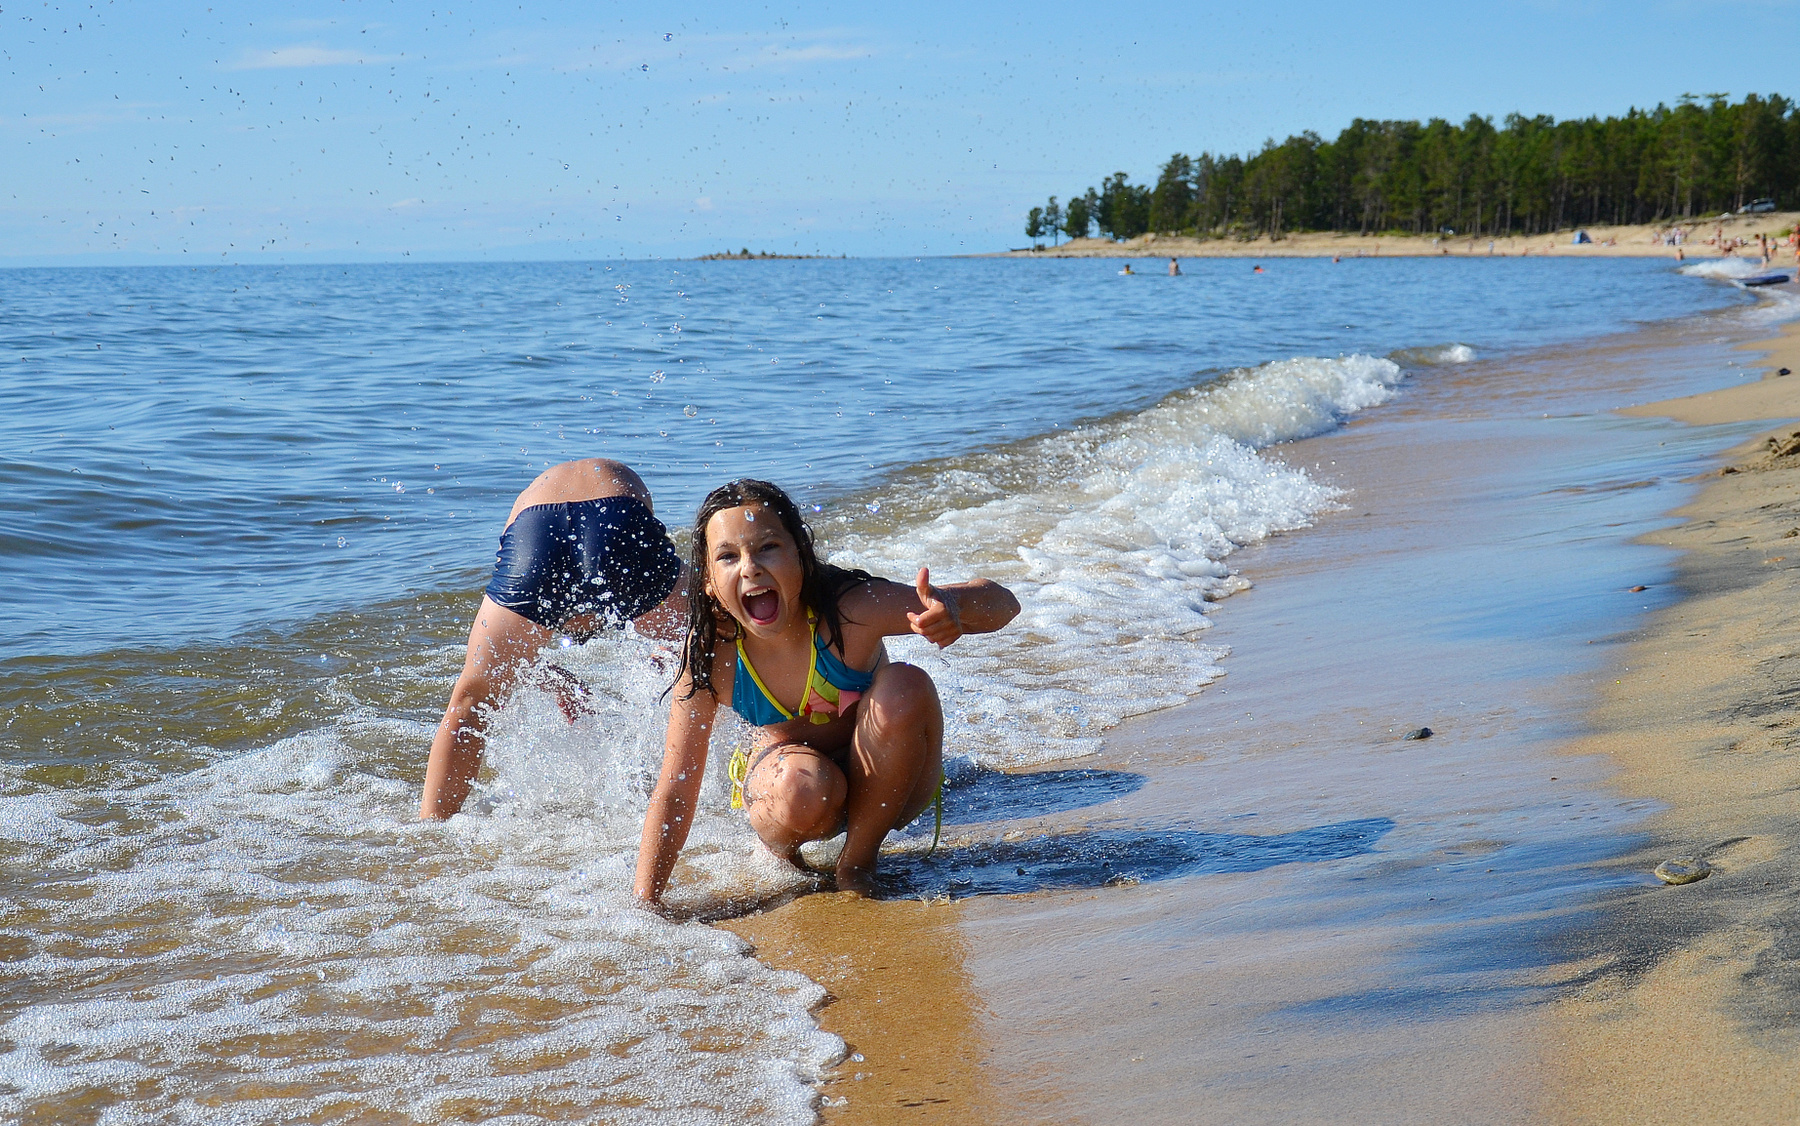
x=762, y=606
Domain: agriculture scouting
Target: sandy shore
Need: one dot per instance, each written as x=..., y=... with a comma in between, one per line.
x=1608, y=242
x=1463, y=972
x=1696, y=1017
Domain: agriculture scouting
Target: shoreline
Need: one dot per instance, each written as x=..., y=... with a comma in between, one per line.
x=1695, y=1014
x=1025, y=1039
x=1633, y=241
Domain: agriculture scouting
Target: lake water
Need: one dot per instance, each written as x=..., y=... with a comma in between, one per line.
x=246, y=514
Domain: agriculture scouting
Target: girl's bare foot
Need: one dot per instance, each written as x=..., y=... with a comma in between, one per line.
x=859, y=882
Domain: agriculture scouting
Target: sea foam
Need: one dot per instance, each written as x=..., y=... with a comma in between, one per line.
x=1115, y=537
x=276, y=924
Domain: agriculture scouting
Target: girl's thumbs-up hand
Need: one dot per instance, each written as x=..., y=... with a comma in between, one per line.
x=937, y=621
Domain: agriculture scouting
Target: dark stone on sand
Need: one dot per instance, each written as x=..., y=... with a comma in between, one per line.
x=1418, y=733
x=1683, y=870
x=1784, y=371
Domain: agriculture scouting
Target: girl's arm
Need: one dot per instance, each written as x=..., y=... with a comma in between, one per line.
x=671, y=812
x=939, y=614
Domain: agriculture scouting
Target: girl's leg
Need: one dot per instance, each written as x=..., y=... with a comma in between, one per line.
x=896, y=761
x=794, y=794
x=501, y=646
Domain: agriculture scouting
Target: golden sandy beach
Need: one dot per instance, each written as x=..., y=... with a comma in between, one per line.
x=1608, y=242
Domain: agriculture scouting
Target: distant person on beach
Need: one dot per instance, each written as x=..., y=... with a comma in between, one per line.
x=581, y=551
x=847, y=741
x=1174, y=268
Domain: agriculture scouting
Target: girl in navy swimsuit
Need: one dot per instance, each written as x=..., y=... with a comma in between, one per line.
x=581, y=551
x=849, y=741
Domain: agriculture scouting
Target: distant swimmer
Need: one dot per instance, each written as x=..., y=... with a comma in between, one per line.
x=581, y=551
x=1258, y=270
x=1126, y=272
x=1174, y=268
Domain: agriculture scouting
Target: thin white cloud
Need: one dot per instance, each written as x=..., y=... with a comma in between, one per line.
x=303, y=55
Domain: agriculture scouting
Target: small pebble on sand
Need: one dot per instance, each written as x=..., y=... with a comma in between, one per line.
x=1419, y=733
x=1683, y=870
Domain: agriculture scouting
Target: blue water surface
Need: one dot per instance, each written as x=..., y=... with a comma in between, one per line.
x=186, y=453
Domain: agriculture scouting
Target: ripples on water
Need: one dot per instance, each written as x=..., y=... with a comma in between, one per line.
x=243, y=517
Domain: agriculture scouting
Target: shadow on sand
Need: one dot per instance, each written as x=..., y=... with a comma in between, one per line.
x=992, y=796
x=1105, y=857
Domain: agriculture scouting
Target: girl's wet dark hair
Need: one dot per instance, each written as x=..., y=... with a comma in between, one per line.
x=821, y=584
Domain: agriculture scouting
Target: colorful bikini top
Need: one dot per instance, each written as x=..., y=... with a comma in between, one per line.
x=831, y=687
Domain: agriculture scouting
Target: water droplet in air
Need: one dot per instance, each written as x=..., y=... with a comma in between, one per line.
x=657, y=377
x=690, y=410
x=399, y=488
x=644, y=67
x=874, y=506
x=341, y=542
x=668, y=36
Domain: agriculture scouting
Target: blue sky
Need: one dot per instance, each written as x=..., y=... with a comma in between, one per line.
x=382, y=129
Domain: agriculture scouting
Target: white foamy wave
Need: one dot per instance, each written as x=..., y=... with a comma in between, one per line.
x=1724, y=268
x=1776, y=304
x=278, y=926
x=1115, y=537
x=1434, y=355
x=38, y=819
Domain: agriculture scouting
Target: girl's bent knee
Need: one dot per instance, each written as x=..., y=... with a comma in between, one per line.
x=798, y=796
x=902, y=692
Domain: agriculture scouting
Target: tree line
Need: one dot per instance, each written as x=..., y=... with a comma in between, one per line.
x=1702, y=156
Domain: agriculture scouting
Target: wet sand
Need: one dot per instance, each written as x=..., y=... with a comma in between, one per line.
x=1479, y=953
x=1695, y=1016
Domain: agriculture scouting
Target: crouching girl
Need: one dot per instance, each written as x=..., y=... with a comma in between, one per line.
x=848, y=741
